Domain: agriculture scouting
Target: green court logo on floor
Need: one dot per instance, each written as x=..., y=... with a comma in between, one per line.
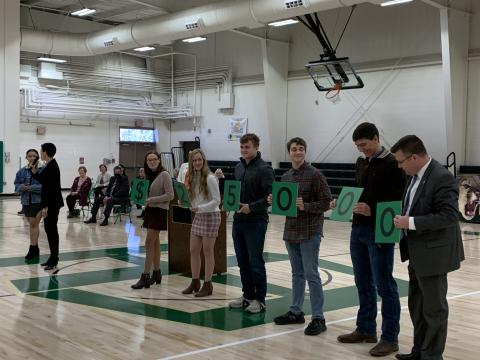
x=65, y=287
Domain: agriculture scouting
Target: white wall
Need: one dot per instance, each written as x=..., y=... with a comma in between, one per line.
x=249, y=103
x=73, y=142
x=9, y=99
x=388, y=100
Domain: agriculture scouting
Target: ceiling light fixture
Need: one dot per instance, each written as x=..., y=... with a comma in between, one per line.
x=283, y=22
x=195, y=39
x=394, y=2
x=52, y=60
x=144, y=48
x=83, y=12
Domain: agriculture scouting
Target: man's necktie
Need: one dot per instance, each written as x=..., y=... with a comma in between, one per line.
x=406, y=203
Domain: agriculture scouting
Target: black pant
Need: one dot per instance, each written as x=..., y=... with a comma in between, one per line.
x=71, y=200
x=50, y=224
x=428, y=307
x=108, y=207
x=98, y=191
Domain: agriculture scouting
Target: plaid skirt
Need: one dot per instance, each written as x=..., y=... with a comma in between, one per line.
x=206, y=224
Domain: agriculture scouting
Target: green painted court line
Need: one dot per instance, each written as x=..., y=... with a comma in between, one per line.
x=219, y=318
x=80, y=255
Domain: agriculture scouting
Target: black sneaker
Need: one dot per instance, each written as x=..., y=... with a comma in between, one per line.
x=290, y=318
x=21, y=212
x=316, y=327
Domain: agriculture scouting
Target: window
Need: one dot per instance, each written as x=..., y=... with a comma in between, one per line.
x=138, y=135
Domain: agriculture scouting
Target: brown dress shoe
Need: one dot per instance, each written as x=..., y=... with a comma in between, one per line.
x=193, y=287
x=383, y=348
x=206, y=289
x=357, y=337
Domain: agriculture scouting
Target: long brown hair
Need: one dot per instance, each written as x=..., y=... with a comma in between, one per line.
x=149, y=173
x=203, y=174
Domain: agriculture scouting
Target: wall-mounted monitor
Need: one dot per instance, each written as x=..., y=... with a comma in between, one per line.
x=138, y=135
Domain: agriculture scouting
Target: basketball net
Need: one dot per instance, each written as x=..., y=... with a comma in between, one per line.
x=334, y=93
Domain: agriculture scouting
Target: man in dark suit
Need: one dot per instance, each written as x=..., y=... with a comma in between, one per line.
x=116, y=194
x=52, y=199
x=431, y=241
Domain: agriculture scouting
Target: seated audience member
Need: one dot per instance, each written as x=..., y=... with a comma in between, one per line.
x=79, y=191
x=117, y=194
x=103, y=179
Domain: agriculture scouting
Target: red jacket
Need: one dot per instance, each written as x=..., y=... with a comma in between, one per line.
x=83, y=191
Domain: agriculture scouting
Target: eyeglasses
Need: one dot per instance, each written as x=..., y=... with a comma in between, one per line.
x=400, y=162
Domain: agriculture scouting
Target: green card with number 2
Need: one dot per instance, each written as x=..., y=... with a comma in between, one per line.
x=231, y=195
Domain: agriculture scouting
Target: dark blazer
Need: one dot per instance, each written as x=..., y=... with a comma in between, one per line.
x=119, y=190
x=49, y=177
x=435, y=247
x=82, y=191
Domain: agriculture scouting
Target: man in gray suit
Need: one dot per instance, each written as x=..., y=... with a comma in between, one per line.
x=431, y=240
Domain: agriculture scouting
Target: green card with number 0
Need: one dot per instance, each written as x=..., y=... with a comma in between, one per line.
x=182, y=194
x=139, y=191
x=385, y=231
x=284, y=198
x=347, y=199
x=231, y=195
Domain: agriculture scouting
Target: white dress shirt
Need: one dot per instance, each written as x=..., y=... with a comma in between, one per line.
x=421, y=172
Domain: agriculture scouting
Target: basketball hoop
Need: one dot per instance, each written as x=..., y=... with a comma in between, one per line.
x=333, y=94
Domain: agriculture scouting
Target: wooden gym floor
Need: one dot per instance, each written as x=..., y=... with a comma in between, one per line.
x=88, y=311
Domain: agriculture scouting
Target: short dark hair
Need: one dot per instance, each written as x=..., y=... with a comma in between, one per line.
x=50, y=149
x=82, y=167
x=410, y=145
x=250, y=137
x=30, y=150
x=296, y=140
x=102, y=165
x=365, y=130
x=118, y=167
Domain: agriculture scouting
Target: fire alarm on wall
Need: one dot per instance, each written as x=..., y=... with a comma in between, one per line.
x=138, y=123
x=41, y=130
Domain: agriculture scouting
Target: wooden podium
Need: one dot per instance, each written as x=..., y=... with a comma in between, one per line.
x=179, y=225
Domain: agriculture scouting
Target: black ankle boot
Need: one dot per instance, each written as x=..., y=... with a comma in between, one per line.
x=156, y=277
x=47, y=263
x=33, y=252
x=144, y=282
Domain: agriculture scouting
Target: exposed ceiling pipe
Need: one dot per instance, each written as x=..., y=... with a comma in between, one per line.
x=164, y=29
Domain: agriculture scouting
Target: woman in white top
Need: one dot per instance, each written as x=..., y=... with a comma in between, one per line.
x=205, y=199
x=103, y=179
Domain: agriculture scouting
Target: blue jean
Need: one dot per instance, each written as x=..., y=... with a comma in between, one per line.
x=304, y=262
x=249, y=240
x=373, y=267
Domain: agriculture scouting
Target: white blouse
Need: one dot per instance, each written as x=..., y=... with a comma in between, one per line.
x=212, y=201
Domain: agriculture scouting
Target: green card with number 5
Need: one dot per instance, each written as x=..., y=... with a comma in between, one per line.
x=182, y=194
x=231, y=195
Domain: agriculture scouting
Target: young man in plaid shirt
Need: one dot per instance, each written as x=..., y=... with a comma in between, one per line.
x=302, y=236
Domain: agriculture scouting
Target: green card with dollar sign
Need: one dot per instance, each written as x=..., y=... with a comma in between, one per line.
x=139, y=191
x=182, y=194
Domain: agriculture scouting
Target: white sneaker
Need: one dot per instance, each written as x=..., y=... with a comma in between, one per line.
x=255, y=307
x=239, y=303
